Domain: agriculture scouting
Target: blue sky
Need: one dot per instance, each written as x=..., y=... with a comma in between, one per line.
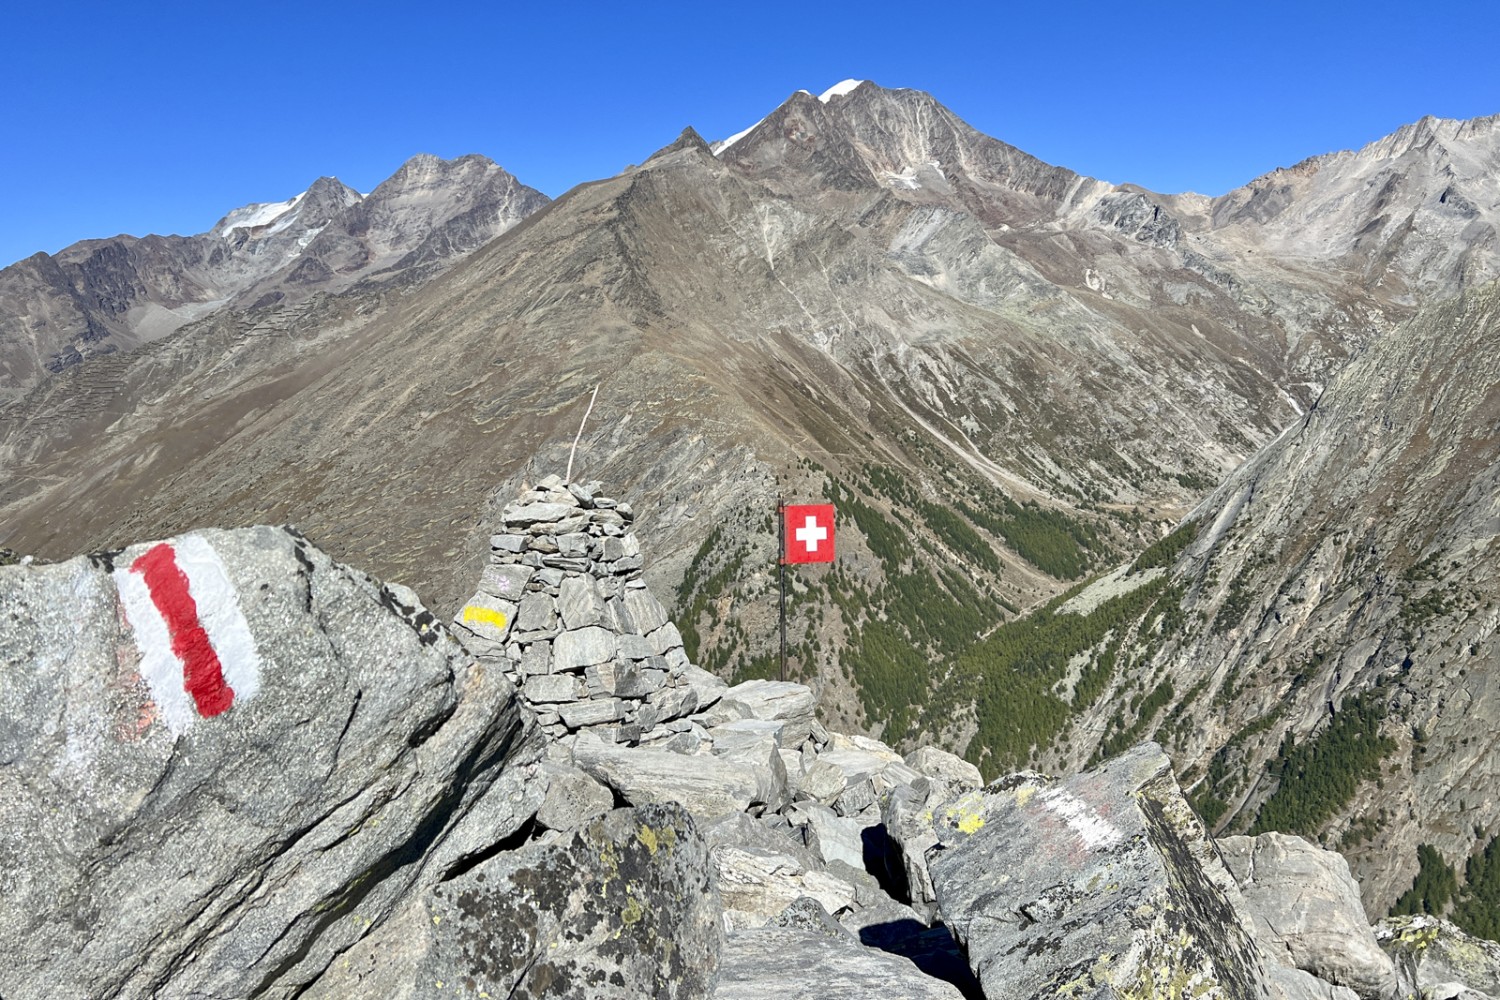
x=161, y=117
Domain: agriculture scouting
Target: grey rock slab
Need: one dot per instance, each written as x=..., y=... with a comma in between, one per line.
x=634, y=647
x=635, y=680
x=573, y=797
x=807, y=914
x=708, y=687
x=757, y=884
x=951, y=769
x=665, y=639
x=822, y=782
x=620, y=908
x=538, y=613
x=552, y=688
x=505, y=582
x=743, y=830
x=833, y=837
x=1306, y=912
x=794, y=963
x=537, y=513
x=742, y=733
x=907, y=814
x=1434, y=953
x=645, y=611
x=707, y=786
x=579, y=601
x=584, y=647
x=783, y=700
x=508, y=543
x=1039, y=879
x=591, y=713
x=140, y=824
x=1288, y=983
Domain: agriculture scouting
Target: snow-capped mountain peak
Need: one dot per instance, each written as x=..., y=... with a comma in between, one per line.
x=839, y=90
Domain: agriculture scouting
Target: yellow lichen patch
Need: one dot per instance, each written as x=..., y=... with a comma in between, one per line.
x=970, y=823
x=633, y=911
x=1024, y=794
x=647, y=837
x=475, y=613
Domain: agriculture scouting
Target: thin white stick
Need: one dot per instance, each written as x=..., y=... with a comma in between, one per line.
x=568, y=477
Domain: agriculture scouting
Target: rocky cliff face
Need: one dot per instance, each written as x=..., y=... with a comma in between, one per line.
x=1334, y=602
x=102, y=296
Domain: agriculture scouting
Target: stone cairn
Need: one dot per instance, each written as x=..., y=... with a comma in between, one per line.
x=563, y=609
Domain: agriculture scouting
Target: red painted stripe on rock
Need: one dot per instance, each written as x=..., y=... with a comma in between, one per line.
x=202, y=674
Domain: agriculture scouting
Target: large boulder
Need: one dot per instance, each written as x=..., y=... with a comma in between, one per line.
x=620, y=909
x=225, y=759
x=1305, y=912
x=706, y=785
x=1100, y=885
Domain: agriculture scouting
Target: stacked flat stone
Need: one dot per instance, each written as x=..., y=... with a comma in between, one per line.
x=563, y=609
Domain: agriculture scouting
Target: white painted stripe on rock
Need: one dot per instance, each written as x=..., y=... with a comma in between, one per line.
x=160, y=667
x=1095, y=831
x=219, y=613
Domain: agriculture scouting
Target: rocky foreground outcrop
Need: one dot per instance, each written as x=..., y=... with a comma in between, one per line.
x=231, y=767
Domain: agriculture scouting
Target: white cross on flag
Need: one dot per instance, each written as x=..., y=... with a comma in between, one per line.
x=809, y=532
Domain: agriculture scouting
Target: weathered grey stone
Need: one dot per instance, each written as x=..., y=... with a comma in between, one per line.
x=757, y=884
x=550, y=688
x=907, y=814
x=1306, y=912
x=1288, y=983
x=1040, y=879
x=619, y=908
x=791, y=703
x=573, y=797
x=832, y=837
x=537, y=513
x=135, y=822
x=548, y=579
x=538, y=613
x=591, y=713
x=794, y=963
x=665, y=639
x=582, y=647
x=636, y=681
x=760, y=755
x=855, y=765
x=536, y=659
x=855, y=799
x=741, y=830
x=674, y=703
x=574, y=544
x=601, y=679
x=507, y=543
x=707, y=786
x=566, y=564
x=579, y=603
x=807, y=914
x=1434, y=954
x=505, y=582
x=645, y=611
x=584, y=494
x=485, y=623
x=543, y=543
x=821, y=781
x=747, y=732
x=621, y=548
x=635, y=647
x=630, y=564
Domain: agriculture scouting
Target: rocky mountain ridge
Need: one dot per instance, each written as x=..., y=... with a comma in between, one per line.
x=426, y=837
x=101, y=296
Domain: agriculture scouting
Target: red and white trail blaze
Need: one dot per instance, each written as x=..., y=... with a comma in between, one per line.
x=197, y=654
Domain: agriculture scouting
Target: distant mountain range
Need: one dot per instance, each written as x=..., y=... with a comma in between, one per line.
x=1009, y=378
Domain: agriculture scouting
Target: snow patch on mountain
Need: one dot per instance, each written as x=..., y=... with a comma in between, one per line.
x=278, y=214
x=839, y=90
x=724, y=144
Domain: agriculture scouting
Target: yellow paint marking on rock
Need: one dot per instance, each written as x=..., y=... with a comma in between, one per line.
x=474, y=613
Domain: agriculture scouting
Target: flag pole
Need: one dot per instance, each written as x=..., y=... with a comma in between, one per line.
x=781, y=553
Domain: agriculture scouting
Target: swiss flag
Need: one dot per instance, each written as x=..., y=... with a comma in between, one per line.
x=809, y=532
